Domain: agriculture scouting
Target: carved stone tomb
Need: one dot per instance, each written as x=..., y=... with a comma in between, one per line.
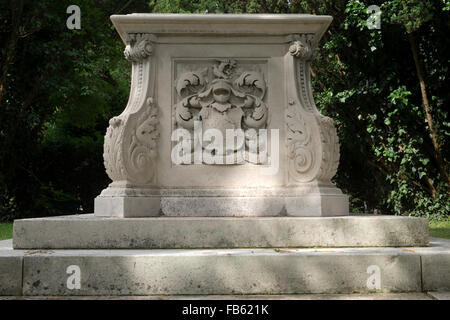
x=221, y=120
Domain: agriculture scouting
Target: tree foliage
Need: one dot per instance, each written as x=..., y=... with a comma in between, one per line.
x=386, y=89
x=58, y=89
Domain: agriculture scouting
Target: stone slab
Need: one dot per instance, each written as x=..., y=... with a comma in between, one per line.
x=6, y=243
x=10, y=272
x=206, y=272
x=234, y=271
x=440, y=295
x=252, y=203
x=352, y=296
x=310, y=200
x=436, y=272
x=89, y=231
x=220, y=24
x=124, y=206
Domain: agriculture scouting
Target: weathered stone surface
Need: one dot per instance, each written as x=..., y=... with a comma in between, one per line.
x=122, y=206
x=342, y=296
x=10, y=272
x=444, y=295
x=436, y=272
x=237, y=271
x=228, y=271
x=6, y=244
x=89, y=231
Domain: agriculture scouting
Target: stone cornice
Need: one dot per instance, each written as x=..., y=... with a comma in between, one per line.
x=221, y=24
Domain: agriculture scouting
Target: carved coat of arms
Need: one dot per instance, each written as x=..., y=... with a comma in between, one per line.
x=221, y=97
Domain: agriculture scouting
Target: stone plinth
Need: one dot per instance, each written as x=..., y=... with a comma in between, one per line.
x=91, y=232
x=238, y=271
x=221, y=120
x=226, y=271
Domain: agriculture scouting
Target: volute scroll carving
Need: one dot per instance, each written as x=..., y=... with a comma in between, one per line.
x=302, y=47
x=312, y=141
x=139, y=46
x=130, y=147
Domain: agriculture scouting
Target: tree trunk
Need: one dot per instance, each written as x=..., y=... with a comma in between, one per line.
x=426, y=105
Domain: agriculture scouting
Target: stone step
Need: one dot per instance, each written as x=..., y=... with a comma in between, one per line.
x=225, y=271
x=350, y=296
x=90, y=232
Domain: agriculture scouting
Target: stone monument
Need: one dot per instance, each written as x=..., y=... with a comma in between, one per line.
x=246, y=74
x=220, y=145
x=219, y=148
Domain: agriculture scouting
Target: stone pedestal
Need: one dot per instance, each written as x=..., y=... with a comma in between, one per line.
x=221, y=120
x=189, y=214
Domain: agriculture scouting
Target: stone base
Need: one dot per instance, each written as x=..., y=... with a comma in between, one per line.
x=302, y=296
x=127, y=206
x=310, y=200
x=311, y=205
x=226, y=271
x=89, y=231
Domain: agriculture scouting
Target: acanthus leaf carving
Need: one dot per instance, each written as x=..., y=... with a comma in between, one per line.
x=302, y=47
x=142, y=150
x=112, y=154
x=298, y=135
x=190, y=83
x=330, y=149
x=130, y=146
x=252, y=82
x=309, y=158
x=139, y=47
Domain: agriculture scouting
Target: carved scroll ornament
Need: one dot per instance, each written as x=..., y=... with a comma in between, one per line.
x=131, y=138
x=312, y=142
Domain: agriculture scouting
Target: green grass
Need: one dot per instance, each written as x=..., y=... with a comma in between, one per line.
x=6, y=230
x=440, y=229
